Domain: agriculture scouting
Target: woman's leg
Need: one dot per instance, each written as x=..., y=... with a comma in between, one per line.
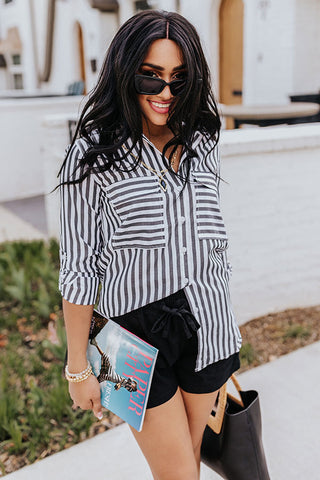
x=166, y=442
x=198, y=408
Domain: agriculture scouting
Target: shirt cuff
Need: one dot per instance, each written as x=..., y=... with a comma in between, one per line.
x=77, y=288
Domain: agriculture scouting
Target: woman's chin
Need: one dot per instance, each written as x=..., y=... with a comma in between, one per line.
x=155, y=125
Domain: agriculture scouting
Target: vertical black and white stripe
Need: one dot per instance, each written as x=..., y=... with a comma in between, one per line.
x=121, y=230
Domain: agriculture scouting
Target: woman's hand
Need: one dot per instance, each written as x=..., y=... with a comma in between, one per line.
x=86, y=395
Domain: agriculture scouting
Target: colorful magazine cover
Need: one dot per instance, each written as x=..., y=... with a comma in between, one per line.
x=123, y=364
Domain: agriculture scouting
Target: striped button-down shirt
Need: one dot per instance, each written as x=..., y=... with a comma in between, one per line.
x=142, y=241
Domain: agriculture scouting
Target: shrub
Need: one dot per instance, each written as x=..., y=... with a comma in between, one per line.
x=36, y=417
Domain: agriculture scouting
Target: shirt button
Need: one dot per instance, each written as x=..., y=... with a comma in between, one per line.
x=184, y=250
x=185, y=281
x=182, y=219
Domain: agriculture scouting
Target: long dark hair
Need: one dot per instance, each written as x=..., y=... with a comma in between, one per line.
x=112, y=110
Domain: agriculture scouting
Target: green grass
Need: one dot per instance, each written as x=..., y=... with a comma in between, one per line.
x=247, y=354
x=29, y=277
x=296, y=331
x=35, y=407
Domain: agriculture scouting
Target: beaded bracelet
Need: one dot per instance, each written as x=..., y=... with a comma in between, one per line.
x=78, y=377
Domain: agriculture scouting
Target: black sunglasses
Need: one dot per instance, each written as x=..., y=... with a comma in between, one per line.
x=146, y=85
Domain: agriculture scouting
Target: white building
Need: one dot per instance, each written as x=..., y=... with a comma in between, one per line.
x=260, y=51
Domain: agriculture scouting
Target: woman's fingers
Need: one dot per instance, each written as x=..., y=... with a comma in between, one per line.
x=96, y=406
x=95, y=397
x=86, y=395
x=83, y=405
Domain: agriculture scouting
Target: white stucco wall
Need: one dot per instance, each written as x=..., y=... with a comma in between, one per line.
x=268, y=51
x=271, y=210
x=281, y=50
x=97, y=29
x=126, y=10
x=18, y=14
x=108, y=26
x=277, y=35
x=3, y=79
x=22, y=140
x=197, y=14
x=40, y=28
x=306, y=67
x=205, y=20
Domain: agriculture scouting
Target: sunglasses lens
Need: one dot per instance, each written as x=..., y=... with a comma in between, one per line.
x=148, y=86
x=152, y=86
x=177, y=87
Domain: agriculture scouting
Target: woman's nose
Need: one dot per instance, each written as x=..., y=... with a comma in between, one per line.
x=166, y=93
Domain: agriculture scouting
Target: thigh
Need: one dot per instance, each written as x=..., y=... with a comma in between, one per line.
x=166, y=442
x=198, y=408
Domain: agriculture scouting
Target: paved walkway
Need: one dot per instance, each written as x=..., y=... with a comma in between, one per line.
x=13, y=227
x=289, y=391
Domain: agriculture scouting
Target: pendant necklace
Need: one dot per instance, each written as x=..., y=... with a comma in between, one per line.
x=160, y=173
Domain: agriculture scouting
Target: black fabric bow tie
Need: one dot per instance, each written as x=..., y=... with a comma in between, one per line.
x=169, y=320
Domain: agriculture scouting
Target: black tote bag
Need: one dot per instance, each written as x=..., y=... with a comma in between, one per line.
x=232, y=441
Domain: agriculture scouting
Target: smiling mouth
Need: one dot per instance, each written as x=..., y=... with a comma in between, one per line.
x=160, y=107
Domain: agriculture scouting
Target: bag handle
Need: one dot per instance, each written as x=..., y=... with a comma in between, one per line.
x=239, y=389
x=215, y=421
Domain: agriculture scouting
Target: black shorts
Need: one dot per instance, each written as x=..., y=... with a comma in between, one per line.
x=169, y=325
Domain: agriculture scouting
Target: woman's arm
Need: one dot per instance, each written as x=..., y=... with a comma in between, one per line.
x=77, y=319
x=80, y=247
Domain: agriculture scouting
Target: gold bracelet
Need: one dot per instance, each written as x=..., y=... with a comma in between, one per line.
x=81, y=378
x=78, y=377
x=79, y=373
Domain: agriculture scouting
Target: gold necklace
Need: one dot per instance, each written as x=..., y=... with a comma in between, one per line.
x=160, y=173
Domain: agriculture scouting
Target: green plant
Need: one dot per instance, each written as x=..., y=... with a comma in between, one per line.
x=296, y=331
x=15, y=441
x=59, y=349
x=29, y=276
x=247, y=354
x=35, y=406
x=20, y=288
x=10, y=403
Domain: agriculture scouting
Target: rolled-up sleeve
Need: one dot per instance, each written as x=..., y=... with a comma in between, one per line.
x=80, y=235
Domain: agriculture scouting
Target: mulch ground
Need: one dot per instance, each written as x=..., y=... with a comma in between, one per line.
x=267, y=338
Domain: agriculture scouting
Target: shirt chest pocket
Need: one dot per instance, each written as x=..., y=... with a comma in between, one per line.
x=208, y=215
x=139, y=205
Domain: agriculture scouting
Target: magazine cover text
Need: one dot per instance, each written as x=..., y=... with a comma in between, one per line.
x=123, y=364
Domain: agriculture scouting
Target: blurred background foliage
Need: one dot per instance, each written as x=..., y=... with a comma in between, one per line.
x=36, y=418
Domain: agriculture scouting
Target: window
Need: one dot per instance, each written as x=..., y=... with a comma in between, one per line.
x=93, y=64
x=140, y=5
x=3, y=62
x=16, y=59
x=17, y=81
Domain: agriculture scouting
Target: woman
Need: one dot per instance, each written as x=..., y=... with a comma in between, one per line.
x=140, y=218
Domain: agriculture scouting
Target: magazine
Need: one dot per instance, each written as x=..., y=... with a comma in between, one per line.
x=123, y=364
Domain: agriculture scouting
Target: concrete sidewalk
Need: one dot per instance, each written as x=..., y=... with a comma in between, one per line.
x=289, y=392
x=19, y=222
x=13, y=227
